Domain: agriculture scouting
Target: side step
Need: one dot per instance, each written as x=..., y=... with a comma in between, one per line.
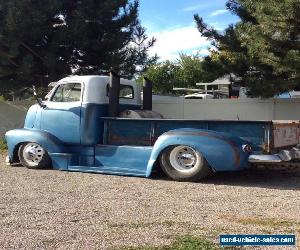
x=282, y=156
x=264, y=158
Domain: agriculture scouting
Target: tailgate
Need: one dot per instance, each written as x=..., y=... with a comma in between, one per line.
x=285, y=133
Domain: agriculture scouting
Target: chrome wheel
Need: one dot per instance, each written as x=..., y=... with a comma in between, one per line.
x=184, y=158
x=184, y=163
x=33, y=154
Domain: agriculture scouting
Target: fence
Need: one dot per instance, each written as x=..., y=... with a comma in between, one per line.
x=12, y=114
x=229, y=109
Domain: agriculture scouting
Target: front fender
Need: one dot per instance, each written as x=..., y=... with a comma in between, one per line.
x=46, y=140
x=222, y=151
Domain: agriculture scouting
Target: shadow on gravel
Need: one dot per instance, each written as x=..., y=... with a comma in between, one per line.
x=275, y=177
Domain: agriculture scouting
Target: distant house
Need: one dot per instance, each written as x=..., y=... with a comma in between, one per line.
x=223, y=85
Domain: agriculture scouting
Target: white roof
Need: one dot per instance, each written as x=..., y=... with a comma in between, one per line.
x=225, y=80
x=95, y=88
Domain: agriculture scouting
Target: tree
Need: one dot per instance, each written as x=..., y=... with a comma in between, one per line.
x=163, y=75
x=184, y=72
x=191, y=71
x=106, y=35
x=263, y=48
x=25, y=40
x=42, y=41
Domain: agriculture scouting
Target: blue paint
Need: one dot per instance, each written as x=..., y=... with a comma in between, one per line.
x=62, y=120
x=92, y=114
x=31, y=117
x=61, y=161
x=128, y=131
x=51, y=143
x=72, y=123
x=122, y=159
x=223, y=152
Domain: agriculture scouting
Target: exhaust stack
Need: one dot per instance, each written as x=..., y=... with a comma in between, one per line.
x=147, y=94
x=114, y=91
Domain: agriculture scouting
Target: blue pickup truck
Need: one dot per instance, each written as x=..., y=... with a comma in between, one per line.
x=99, y=124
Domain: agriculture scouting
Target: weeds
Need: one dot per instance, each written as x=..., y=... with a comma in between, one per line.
x=3, y=145
x=186, y=242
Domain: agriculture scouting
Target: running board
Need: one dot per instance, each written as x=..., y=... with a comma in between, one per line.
x=282, y=156
x=108, y=170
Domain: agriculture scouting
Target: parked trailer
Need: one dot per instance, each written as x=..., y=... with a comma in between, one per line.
x=79, y=128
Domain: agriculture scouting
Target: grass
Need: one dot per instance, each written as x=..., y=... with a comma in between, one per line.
x=186, y=242
x=3, y=145
x=263, y=222
x=136, y=225
x=218, y=230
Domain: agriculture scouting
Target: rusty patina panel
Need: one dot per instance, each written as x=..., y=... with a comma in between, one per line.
x=285, y=133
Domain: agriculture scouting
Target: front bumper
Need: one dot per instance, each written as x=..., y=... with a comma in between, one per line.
x=282, y=156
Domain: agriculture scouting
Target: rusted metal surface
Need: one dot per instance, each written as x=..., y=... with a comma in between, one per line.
x=129, y=140
x=285, y=133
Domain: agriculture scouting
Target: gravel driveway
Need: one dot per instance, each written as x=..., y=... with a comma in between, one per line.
x=46, y=209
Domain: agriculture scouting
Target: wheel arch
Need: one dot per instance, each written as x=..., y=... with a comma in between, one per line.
x=15, y=138
x=221, y=153
x=153, y=163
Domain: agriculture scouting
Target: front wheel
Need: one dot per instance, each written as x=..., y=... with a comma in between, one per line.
x=33, y=155
x=183, y=163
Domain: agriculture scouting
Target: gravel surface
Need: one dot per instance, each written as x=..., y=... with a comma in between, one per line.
x=47, y=209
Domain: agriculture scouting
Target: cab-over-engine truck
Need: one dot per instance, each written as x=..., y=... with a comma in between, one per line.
x=98, y=124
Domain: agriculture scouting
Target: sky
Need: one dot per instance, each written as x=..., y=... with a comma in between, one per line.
x=172, y=23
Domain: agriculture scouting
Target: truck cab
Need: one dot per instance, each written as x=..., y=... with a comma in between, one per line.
x=74, y=104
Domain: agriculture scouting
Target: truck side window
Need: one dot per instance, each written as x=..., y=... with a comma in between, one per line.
x=69, y=92
x=126, y=91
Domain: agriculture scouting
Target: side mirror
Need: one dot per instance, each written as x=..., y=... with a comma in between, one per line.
x=39, y=100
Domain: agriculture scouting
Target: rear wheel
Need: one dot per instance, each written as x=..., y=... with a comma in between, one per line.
x=184, y=163
x=33, y=155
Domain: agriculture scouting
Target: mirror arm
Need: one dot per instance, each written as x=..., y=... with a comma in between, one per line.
x=39, y=101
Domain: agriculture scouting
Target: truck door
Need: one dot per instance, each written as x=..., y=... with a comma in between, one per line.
x=61, y=116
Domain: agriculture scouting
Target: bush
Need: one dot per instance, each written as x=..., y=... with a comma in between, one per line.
x=3, y=145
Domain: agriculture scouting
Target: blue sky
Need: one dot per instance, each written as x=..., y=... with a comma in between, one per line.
x=172, y=23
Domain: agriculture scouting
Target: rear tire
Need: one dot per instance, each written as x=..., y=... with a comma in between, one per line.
x=184, y=163
x=33, y=156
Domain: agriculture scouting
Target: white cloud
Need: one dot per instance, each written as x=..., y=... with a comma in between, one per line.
x=218, y=26
x=201, y=52
x=218, y=12
x=169, y=43
x=194, y=7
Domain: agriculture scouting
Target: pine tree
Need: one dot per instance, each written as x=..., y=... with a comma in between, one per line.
x=25, y=44
x=44, y=40
x=264, y=47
